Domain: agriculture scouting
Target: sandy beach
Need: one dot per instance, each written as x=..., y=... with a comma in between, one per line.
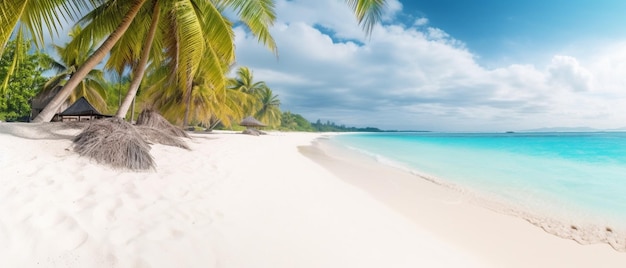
x=459, y=218
x=232, y=201
x=278, y=200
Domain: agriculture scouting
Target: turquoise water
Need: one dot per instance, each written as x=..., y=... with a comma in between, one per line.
x=560, y=174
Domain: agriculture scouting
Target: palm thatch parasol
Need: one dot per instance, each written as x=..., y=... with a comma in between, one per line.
x=151, y=118
x=251, y=122
x=114, y=142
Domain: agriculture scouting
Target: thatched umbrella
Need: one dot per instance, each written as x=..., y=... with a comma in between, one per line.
x=251, y=124
x=114, y=142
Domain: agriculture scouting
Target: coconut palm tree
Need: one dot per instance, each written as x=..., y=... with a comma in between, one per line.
x=32, y=19
x=92, y=87
x=129, y=9
x=262, y=103
x=195, y=25
x=269, y=111
x=255, y=14
x=203, y=103
x=244, y=82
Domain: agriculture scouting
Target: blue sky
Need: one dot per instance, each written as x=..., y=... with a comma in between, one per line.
x=450, y=65
x=504, y=31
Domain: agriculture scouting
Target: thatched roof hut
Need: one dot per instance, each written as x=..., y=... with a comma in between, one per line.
x=41, y=100
x=81, y=110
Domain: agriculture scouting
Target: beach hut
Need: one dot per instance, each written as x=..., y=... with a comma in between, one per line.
x=251, y=125
x=39, y=102
x=81, y=110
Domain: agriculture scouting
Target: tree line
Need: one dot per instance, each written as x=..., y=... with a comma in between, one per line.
x=173, y=56
x=29, y=80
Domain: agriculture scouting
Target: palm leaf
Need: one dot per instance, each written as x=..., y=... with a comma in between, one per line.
x=258, y=16
x=367, y=12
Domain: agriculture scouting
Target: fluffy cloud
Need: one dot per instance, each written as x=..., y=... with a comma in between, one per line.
x=566, y=71
x=420, y=77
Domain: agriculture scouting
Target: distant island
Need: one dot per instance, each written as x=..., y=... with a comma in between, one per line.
x=571, y=129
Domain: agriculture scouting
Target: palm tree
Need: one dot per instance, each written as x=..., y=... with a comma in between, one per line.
x=257, y=15
x=269, y=112
x=288, y=121
x=92, y=87
x=203, y=103
x=24, y=19
x=244, y=82
x=199, y=25
x=130, y=10
x=262, y=103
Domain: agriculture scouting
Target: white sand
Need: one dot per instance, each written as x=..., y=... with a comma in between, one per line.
x=459, y=219
x=232, y=201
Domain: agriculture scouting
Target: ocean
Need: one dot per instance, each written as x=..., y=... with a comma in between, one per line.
x=573, y=177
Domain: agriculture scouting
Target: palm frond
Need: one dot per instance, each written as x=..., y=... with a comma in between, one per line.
x=38, y=16
x=115, y=142
x=258, y=16
x=367, y=12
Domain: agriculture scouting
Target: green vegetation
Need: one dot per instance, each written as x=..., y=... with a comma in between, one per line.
x=92, y=87
x=176, y=53
x=332, y=127
x=260, y=101
x=24, y=82
x=295, y=122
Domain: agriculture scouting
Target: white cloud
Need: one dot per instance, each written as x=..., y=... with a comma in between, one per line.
x=408, y=78
x=420, y=22
x=392, y=8
x=566, y=71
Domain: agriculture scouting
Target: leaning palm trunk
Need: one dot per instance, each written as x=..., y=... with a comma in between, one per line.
x=141, y=67
x=48, y=112
x=116, y=143
x=152, y=119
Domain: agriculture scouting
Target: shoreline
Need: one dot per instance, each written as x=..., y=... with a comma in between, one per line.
x=583, y=228
x=495, y=233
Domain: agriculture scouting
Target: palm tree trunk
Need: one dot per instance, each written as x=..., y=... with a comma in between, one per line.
x=189, y=86
x=143, y=62
x=52, y=107
x=132, y=112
